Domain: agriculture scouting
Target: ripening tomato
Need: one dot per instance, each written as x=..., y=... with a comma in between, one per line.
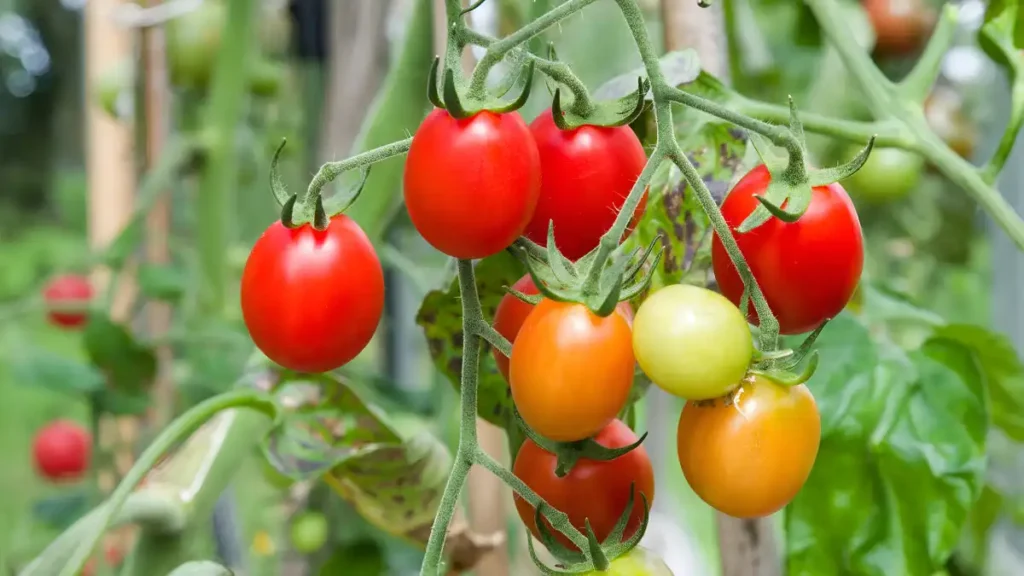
x=312, y=299
x=62, y=450
x=571, y=370
x=692, y=342
x=586, y=174
x=512, y=312
x=748, y=454
x=594, y=490
x=901, y=26
x=808, y=269
x=64, y=293
x=637, y=562
x=471, y=185
x=888, y=175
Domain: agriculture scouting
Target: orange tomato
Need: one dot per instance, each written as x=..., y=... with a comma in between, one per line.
x=571, y=370
x=748, y=454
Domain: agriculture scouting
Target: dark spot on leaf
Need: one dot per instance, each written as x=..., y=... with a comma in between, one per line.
x=436, y=346
x=679, y=230
x=398, y=499
x=673, y=201
x=407, y=514
x=668, y=259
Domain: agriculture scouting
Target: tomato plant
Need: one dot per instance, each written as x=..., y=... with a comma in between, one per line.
x=68, y=290
x=806, y=269
x=586, y=174
x=309, y=532
x=597, y=491
x=636, y=562
x=312, y=299
x=889, y=174
x=692, y=342
x=571, y=370
x=747, y=455
x=901, y=26
x=512, y=312
x=944, y=110
x=471, y=184
x=62, y=450
x=192, y=40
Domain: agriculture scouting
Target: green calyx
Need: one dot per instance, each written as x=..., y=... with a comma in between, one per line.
x=599, y=286
x=598, y=555
x=579, y=110
x=296, y=212
x=569, y=453
x=781, y=366
x=451, y=96
x=789, y=192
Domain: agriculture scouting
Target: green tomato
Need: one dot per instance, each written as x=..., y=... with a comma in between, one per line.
x=114, y=90
x=309, y=532
x=265, y=77
x=636, y=562
x=889, y=174
x=193, y=40
x=692, y=342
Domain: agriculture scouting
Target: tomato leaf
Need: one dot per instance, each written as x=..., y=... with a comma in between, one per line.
x=61, y=510
x=363, y=556
x=201, y=568
x=128, y=365
x=440, y=316
x=679, y=67
x=902, y=456
x=37, y=367
x=162, y=282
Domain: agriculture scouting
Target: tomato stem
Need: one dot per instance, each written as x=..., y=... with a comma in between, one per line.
x=331, y=170
x=918, y=83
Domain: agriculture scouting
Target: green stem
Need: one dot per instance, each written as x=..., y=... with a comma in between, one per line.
x=228, y=96
x=995, y=164
x=888, y=133
x=919, y=82
x=496, y=51
x=180, y=429
x=331, y=170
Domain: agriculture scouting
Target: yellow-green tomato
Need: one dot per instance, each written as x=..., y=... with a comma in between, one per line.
x=692, y=342
x=636, y=562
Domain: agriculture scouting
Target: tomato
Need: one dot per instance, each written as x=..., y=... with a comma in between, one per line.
x=594, y=490
x=471, y=185
x=901, y=26
x=636, y=562
x=68, y=290
x=889, y=174
x=808, y=269
x=944, y=110
x=692, y=342
x=586, y=174
x=62, y=450
x=747, y=455
x=571, y=370
x=512, y=312
x=193, y=40
x=266, y=77
x=114, y=90
x=312, y=299
x=309, y=532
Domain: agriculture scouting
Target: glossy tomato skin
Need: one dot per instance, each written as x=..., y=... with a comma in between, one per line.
x=68, y=289
x=61, y=451
x=312, y=299
x=586, y=175
x=901, y=26
x=512, y=312
x=692, y=342
x=571, y=370
x=598, y=491
x=806, y=269
x=471, y=185
x=748, y=455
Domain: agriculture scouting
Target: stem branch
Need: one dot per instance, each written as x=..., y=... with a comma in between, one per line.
x=331, y=170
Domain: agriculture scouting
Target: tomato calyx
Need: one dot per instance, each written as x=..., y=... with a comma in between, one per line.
x=626, y=275
x=789, y=192
x=598, y=555
x=464, y=106
x=780, y=365
x=608, y=114
x=569, y=453
x=309, y=209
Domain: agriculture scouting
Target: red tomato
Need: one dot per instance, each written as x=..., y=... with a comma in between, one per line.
x=594, y=490
x=512, y=312
x=62, y=450
x=471, y=185
x=807, y=269
x=571, y=370
x=68, y=290
x=310, y=299
x=901, y=26
x=586, y=174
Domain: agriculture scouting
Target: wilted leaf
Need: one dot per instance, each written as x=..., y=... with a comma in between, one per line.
x=902, y=457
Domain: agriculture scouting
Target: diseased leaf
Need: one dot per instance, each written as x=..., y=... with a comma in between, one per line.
x=893, y=481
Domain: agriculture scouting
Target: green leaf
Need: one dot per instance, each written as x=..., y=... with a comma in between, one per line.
x=1000, y=36
x=37, y=367
x=679, y=67
x=363, y=556
x=201, y=568
x=128, y=365
x=902, y=457
x=1002, y=369
x=166, y=283
x=61, y=510
x=975, y=543
x=440, y=316
x=122, y=402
